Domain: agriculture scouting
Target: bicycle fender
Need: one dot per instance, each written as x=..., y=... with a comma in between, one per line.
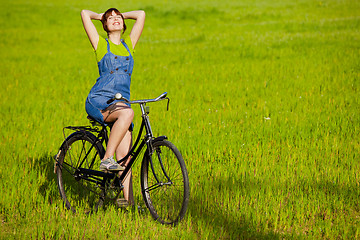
x=161, y=138
x=56, y=157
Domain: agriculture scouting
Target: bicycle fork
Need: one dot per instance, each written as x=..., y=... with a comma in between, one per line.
x=155, y=174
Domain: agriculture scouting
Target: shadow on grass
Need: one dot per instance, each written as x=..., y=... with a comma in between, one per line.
x=218, y=221
x=48, y=188
x=209, y=216
x=212, y=215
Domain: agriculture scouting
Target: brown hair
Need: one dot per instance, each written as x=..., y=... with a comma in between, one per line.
x=107, y=14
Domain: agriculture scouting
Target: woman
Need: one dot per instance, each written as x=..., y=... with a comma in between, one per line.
x=115, y=62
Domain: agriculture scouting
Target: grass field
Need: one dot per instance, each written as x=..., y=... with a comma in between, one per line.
x=264, y=107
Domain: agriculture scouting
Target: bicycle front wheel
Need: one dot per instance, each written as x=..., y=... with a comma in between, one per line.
x=79, y=191
x=165, y=183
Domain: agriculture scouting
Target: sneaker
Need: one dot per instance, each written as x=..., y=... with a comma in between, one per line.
x=110, y=164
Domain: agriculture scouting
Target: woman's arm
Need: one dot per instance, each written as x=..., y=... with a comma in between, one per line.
x=139, y=17
x=93, y=35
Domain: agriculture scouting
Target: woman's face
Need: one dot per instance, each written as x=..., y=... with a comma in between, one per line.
x=115, y=22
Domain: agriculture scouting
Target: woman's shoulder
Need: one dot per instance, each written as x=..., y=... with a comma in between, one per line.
x=101, y=48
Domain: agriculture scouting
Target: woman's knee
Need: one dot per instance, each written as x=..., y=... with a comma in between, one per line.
x=119, y=111
x=126, y=115
x=129, y=114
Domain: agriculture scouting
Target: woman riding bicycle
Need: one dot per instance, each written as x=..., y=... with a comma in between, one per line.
x=115, y=62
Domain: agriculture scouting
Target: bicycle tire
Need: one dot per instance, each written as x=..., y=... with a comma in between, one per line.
x=167, y=200
x=76, y=192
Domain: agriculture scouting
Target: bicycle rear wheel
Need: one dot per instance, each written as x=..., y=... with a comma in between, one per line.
x=165, y=183
x=80, y=192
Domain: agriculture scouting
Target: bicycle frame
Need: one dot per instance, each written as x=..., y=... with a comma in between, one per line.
x=102, y=136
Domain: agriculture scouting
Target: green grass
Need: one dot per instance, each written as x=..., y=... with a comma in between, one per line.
x=264, y=108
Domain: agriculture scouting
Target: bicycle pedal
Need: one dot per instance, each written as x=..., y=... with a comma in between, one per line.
x=122, y=203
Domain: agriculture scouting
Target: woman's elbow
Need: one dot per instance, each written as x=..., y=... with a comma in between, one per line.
x=142, y=13
x=83, y=13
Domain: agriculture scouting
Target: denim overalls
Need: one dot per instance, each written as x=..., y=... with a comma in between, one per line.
x=115, y=76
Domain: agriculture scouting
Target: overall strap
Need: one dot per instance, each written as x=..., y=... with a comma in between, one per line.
x=108, y=45
x=126, y=46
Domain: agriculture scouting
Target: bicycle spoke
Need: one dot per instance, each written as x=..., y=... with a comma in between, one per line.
x=62, y=167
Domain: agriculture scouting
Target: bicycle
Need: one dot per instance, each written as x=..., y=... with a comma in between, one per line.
x=164, y=178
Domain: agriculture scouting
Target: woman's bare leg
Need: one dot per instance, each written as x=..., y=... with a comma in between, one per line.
x=120, y=140
x=123, y=148
x=122, y=116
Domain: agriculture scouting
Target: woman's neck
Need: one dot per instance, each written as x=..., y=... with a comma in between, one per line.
x=115, y=37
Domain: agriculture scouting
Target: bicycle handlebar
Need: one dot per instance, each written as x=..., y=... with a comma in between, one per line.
x=118, y=96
